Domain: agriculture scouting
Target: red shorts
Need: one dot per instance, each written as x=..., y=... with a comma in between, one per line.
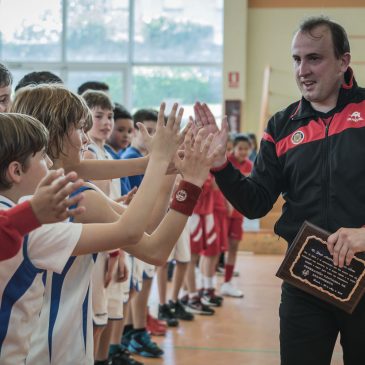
x=220, y=244
x=202, y=233
x=235, y=230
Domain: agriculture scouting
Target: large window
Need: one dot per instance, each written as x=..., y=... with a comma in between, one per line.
x=147, y=51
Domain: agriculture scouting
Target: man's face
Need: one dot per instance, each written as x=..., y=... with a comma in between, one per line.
x=318, y=72
x=5, y=98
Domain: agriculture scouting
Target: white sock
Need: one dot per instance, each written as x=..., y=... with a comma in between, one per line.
x=208, y=282
x=192, y=295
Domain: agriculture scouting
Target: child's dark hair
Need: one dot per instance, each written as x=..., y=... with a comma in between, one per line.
x=38, y=77
x=21, y=137
x=142, y=115
x=120, y=112
x=6, y=77
x=240, y=138
x=93, y=85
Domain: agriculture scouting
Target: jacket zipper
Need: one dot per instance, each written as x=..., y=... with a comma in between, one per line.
x=326, y=175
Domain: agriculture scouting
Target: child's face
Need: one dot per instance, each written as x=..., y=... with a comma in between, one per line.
x=38, y=166
x=122, y=133
x=151, y=128
x=229, y=147
x=74, y=144
x=5, y=99
x=241, y=150
x=103, y=123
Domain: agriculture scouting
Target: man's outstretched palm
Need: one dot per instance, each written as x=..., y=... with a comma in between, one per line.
x=205, y=123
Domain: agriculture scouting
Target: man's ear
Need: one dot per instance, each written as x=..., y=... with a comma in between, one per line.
x=345, y=61
x=14, y=172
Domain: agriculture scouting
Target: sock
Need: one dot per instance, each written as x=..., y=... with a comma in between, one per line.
x=183, y=292
x=214, y=278
x=101, y=362
x=114, y=349
x=228, y=273
x=208, y=282
x=139, y=330
x=193, y=295
x=127, y=328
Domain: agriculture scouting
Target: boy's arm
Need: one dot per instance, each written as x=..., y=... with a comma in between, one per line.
x=155, y=248
x=109, y=169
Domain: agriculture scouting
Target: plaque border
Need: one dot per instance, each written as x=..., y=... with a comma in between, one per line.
x=318, y=287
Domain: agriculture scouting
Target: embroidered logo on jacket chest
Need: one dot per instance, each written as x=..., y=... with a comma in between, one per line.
x=297, y=137
x=355, y=117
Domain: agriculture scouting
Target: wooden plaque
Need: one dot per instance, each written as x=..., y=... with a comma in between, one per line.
x=309, y=266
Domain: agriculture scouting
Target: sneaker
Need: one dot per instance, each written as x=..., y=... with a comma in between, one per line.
x=185, y=299
x=195, y=306
x=180, y=312
x=142, y=344
x=228, y=290
x=126, y=339
x=123, y=357
x=155, y=327
x=209, y=298
x=165, y=314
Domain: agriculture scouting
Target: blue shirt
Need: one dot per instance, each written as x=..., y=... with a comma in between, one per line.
x=125, y=185
x=129, y=153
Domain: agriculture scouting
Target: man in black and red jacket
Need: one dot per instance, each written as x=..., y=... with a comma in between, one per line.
x=313, y=154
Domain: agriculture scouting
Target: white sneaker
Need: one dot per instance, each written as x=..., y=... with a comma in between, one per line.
x=228, y=290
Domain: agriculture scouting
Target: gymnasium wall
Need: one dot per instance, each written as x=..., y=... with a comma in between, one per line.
x=269, y=27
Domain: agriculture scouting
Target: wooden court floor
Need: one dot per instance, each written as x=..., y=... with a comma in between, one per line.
x=244, y=331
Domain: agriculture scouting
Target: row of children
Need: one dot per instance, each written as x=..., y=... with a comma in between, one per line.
x=62, y=280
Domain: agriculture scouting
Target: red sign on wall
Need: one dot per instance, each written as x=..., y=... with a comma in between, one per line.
x=233, y=79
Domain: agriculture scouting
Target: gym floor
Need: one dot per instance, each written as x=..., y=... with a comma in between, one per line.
x=243, y=331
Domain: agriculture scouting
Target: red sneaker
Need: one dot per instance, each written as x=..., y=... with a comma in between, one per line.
x=155, y=327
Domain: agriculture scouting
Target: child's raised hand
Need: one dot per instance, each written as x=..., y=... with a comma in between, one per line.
x=198, y=157
x=167, y=138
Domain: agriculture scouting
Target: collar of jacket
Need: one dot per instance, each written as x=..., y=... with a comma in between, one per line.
x=348, y=88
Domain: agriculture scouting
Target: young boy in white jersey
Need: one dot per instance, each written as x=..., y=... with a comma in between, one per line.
x=136, y=336
x=104, y=283
x=24, y=162
x=48, y=103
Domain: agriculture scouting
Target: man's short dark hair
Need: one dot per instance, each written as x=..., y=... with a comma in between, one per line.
x=142, y=115
x=340, y=40
x=93, y=85
x=120, y=112
x=6, y=77
x=37, y=78
x=241, y=138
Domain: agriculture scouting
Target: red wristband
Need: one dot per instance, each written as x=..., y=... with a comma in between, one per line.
x=185, y=198
x=219, y=168
x=114, y=253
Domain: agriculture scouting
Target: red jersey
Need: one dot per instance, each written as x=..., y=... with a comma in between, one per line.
x=205, y=203
x=220, y=203
x=245, y=167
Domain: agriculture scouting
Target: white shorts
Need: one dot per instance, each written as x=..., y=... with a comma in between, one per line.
x=148, y=271
x=115, y=295
x=99, y=294
x=181, y=251
x=135, y=276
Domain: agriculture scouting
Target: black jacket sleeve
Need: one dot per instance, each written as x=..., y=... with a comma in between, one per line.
x=255, y=195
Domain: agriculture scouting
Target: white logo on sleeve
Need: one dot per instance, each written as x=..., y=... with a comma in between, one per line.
x=297, y=137
x=181, y=195
x=355, y=117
